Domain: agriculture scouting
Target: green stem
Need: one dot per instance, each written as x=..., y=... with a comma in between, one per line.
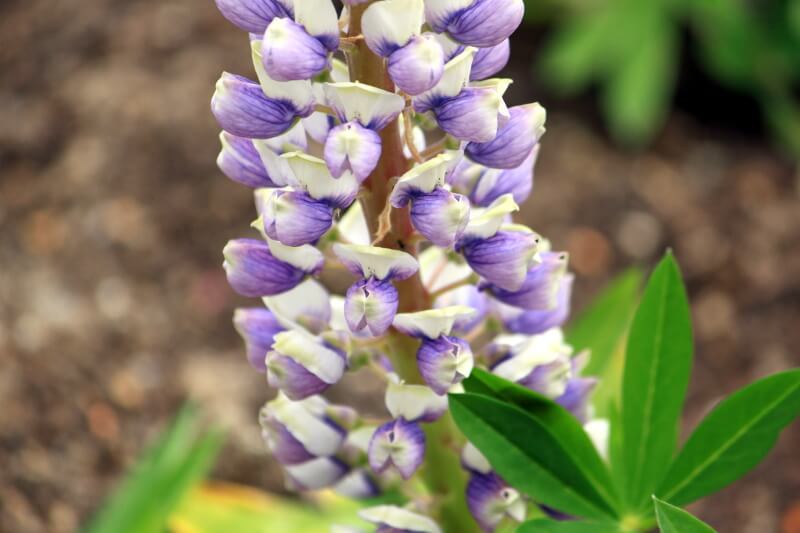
x=442, y=470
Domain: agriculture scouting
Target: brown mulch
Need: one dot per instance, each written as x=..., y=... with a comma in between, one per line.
x=114, y=308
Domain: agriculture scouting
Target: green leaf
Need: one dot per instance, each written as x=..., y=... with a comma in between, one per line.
x=657, y=366
x=527, y=455
x=673, y=519
x=733, y=438
x=564, y=427
x=178, y=460
x=638, y=90
x=601, y=328
x=570, y=526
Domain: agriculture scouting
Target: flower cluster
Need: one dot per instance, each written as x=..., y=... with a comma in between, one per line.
x=408, y=183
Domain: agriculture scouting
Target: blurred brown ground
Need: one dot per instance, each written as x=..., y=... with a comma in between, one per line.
x=114, y=308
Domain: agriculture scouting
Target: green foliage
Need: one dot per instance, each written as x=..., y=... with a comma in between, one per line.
x=658, y=363
x=178, y=460
x=602, y=328
x=631, y=48
x=733, y=438
x=541, y=450
x=673, y=519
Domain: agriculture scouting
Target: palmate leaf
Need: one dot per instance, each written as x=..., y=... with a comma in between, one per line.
x=657, y=366
x=601, y=328
x=526, y=454
x=553, y=526
x=564, y=427
x=733, y=438
x=673, y=519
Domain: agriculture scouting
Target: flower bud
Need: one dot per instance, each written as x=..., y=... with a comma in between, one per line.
x=315, y=474
x=540, y=288
x=490, y=500
x=390, y=24
x=240, y=161
x=393, y=519
x=505, y=258
x=258, y=327
x=514, y=140
x=440, y=216
x=290, y=53
x=254, y=15
x=399, y=444
x=370, y=306
x=352, y=147
x=538, y=321
x=254, y=269
x=293, y=218
x=489, y=61
x=444, y=362
x=240, y=107
x=297, y=432
x=301, y=365
x=417, y=66
x=480, y=23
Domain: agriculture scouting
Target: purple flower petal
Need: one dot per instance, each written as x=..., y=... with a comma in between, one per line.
x=292, y=378
x=317, y=473
x=351, y=146
x=240, y=161
x=576, y=397
x=440, y=216
x=503, y=259
x=540, y=288
x=370, y=306
x=290, y=53
x=302, y=365
x=485, y=22
x=470, y=116
x=417, y=66
x=358, y=485
x=489, y=61
x=240, y=107
x=286, y=449
x=258, y=327
x=397, y=444
x=444, y=362
x=494, y=183
x=253, y=271
x=468, y=296
x=254, y=15
x=294, y=218
x=490, y=500
x=539, y=321
x=514, y=140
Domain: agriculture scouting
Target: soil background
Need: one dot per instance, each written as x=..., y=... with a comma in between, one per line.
x=114, y=308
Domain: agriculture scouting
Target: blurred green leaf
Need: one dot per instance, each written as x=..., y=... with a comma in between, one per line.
x=601, y=328
x=673, y=519
x=733, y=438
x=658, y=362
x=227, y=508
x=563, y=426
x=569, y=526
x=637, y=92
x=526, y=454
x=178, y=460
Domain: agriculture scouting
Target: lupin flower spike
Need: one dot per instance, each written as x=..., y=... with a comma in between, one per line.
x=377, y=142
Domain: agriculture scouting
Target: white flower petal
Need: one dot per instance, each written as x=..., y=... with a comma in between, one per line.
x=306, y=306
x=438, y=270
x=375, y=261
x=390, y=24
x=308, y=351
x=474, y=459
x=353, y=225
x=486, y=222
x=413, y=401
x=312, y=175
x=454, y=78
x=318, y=16
x=424, y=177
x=305, y=257
x=304, y=420
x=299, y=92
x=431, y=323
x=399, y=518
x=372, y=107
x=598, y=431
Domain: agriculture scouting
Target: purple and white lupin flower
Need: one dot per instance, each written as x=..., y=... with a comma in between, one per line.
x=348, y=139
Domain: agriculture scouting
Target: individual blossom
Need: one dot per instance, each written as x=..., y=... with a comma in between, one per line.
x=240, y=161
x=399, y=444
x=371, y=302
x=438, y=214
x=291, y=217
x=485, y=185
x=258, y=327
x=363, y=111
x=302, y=365
x=514, y=140
x=540, y=362
x=518, y=320
x=257, y=268
x=414, y=403
x=480, y=23
x=539, y=290
x=443, y=360
x=490, y=499
x=392, y=30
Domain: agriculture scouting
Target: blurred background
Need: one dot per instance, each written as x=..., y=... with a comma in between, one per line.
x=672, y=123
